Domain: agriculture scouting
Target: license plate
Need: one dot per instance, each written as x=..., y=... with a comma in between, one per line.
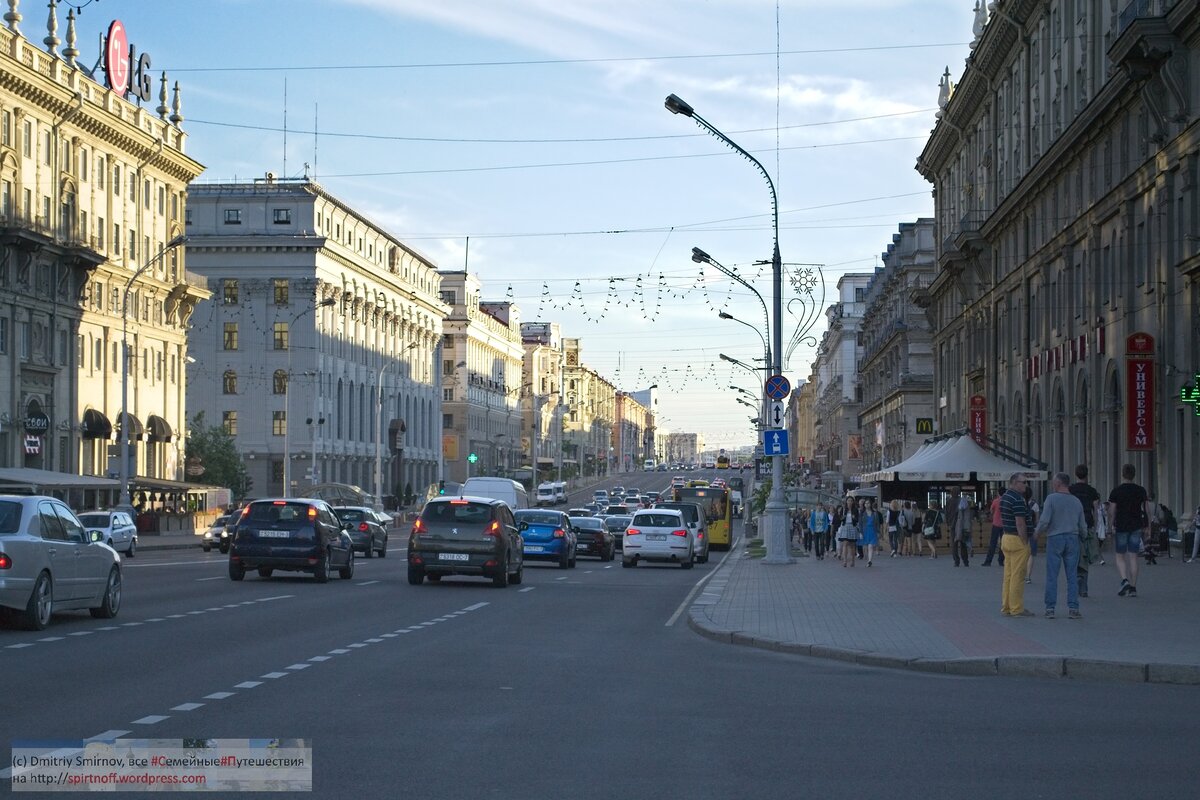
x=273, y=534
x=656, y=537
x=534, y=548
x=453, y=557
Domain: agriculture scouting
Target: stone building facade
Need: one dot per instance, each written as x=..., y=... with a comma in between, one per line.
x=542, y=399
x=589, y=415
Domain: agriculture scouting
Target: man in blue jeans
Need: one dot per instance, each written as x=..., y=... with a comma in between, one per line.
x=1063, y=523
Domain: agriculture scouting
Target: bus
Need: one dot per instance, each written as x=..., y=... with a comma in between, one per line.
x=718, y=512
x=722, y=461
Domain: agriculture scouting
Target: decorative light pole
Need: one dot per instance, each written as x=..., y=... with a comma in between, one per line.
x=287, y=395
x=125, y=503
x=775, y=536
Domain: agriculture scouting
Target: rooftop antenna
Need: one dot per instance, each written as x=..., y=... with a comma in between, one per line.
x=467, y=256
x=285, y=172
x=316, y=116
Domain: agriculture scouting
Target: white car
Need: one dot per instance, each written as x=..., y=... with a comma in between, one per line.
x=116, y=528
x=217, y=534
x=600, y=497
x=658, y=534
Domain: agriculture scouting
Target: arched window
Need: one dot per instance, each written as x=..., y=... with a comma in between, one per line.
x=281, y=381
x=229, y=382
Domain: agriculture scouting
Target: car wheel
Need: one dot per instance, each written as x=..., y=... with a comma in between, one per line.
x=612, y=553
x=132, y=548
x=321, y=570
x=347, y=572
x=628, y=562
x=383, y=550
x=110, y=604
x=500, y=579
x=433, y=577
x=572, y=562
x=236, y=571
x=691, y=562
x=40, y=606
x=564, y=559
x=265, y=572
x=370, y=551
x=416, y=575
x=224, y=549
x=518, y=576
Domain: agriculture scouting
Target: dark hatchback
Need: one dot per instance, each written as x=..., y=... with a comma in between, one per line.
x=594, y=538
x=465, y=536
x=367, y=529
x=616, y=525
x=295, y=534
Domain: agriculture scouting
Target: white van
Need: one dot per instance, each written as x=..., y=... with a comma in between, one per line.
x=560, y=491
x=648, y=465
x=547, y=495
x=503, y=489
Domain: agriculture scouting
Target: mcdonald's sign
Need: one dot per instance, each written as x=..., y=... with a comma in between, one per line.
x=925, y=425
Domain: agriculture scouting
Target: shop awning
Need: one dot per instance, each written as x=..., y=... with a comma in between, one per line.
x=136, y=429
x=42, y=480
x=95, y=425
x=160, y=429
x=955, y=459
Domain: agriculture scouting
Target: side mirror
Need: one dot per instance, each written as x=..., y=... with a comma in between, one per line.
x=523, y=526
x=95, y=536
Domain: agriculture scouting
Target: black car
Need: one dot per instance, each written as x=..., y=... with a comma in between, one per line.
x=594, y=538
x=466, y=536
x=616, y=525
x=367, y=529
x=298, y=534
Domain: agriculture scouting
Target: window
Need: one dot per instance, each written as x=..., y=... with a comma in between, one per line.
x=281, y=291
x=83, y=165
x=116, y=238
x=6, y=129
x=27, y=139
x=3, y=335
x=230, y=340
x=280, y=381
x=47, y=148
x=64, y=340
x=174, y=206
x=100, y=230
x=133, y=245
x=6, y=198
x=229, y=382
x=145, y=363
x=116, y=181
x=233, y=216
x=100, y=170
x=278, y=423
x=26, y=343
x=187, y=217
x=448, y=366
x=146, y=195
x=116, y=357
x=229, y=291
x=447, y=395
x=447, y=421
x=277, y=471
x=229, y=422
x=282, y=216
x=280, y=336
x=133, y=187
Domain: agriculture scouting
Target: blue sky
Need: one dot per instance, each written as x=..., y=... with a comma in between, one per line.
x=537, y=129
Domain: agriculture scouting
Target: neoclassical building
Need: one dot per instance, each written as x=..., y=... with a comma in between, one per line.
x=896, y=365
x=1065, y=165
x=92, y=195
x=320, y=349
x=542, y=398
x=590, y=415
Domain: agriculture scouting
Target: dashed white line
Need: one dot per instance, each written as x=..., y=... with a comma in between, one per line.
x=187, y=706
x=300, y=666
x=217, y=578
x=51, y=639
x=339, y=652
x=219, y=695
x=247, y=684
x=563, y=578
x=153, y=719
x=528, y=589
x=273, y=675
x=475, y=607
x=366, y=583
x=319, y=659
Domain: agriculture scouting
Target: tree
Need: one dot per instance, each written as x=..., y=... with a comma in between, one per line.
x=217, y=453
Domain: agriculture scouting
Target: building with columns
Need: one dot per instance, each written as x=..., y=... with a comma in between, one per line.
x=896, y=368
x=589, y=418
x=1066, y=168
x=542, y=399
x=92, y=190
x=632, y=435
x=482, y=359
x=320, y=350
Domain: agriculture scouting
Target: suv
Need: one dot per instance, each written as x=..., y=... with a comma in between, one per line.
x=115, y=527
x=300, y=534
x=658, y=534
x=693, y=515
x=466, y=536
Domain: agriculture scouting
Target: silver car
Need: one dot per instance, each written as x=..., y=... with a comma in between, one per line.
x=116, y=527
x=658, y=534
x=49, y=562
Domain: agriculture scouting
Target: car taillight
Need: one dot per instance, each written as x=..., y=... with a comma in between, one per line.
x=699, y=534
x=418, y=526
x=559, y=533
x=632, y=532
x=5, y=561
x=679, y=533
x=362, y=526
x=493, y=529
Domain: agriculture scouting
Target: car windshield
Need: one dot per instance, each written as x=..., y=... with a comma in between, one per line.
x=277, y=511
x=457, y=511
x=656, y=520
x=350, y=514
x=94, y=520
x=538, y=517
x=617, y=523
x=588, y=523
x=10, y=516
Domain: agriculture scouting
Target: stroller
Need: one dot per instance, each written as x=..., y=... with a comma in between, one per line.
x=1160, y=536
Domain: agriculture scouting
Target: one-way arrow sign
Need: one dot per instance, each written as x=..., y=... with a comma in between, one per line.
x=777, y=413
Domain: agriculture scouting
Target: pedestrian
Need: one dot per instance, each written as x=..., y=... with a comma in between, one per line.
x=951, y=516
x=1195, y=529
x=1031, y=516
x=959, y=524
x=871, y=523
x=848, y=535
x=1063, y=522
x=806, y=530
x=1089, y=550
x=893, y=527
x=818, y=522
x=1014, y=543
x=931, y=527
x=997, y=530
x=1129, y=520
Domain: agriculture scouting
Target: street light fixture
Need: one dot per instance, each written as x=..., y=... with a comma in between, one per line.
x=287, y=394
x=125, y=503
x=776, y=534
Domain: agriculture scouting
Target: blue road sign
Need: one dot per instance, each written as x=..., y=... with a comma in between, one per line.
x=777, y=387
x=775, y=443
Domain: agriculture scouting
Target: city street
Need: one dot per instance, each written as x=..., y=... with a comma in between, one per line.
x=579, y=683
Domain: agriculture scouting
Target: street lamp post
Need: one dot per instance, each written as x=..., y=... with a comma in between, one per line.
x=379, y=432
x=125, y=503
x=287, y=395
x=776, y=535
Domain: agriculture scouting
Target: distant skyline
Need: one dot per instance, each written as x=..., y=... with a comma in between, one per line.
x=528, y=142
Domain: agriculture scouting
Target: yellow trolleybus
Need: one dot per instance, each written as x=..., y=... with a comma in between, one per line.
x=718, y=512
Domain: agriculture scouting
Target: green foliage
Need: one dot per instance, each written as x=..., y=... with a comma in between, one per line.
x=218, y=453
x=758, y=503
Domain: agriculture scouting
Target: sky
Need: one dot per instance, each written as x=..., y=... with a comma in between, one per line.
x=527, y=141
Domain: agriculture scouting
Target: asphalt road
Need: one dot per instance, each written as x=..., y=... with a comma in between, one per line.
x=572, y=685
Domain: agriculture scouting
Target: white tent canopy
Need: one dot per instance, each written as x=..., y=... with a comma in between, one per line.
x=956, y=459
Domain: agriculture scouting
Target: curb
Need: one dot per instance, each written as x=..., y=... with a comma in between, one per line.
x=1006, y=666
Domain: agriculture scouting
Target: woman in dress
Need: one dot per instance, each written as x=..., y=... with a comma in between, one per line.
x=931, y=528
x=870, y=531
x=848, y=534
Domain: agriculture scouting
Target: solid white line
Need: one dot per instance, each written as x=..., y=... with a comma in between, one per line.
x=218, y=578
x=528, y=589
x=696, y=588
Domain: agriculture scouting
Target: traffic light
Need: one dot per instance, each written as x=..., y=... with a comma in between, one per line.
x=441, y=487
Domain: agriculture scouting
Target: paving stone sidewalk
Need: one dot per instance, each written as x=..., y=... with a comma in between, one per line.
x=926, y=614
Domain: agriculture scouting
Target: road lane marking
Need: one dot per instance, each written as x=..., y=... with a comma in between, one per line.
x=273, y=675
x=696, y=588
x=475, y=607
x=217, y=578
x=187, y=707
x=528, y=589
x=247, y=684
x=153, y=719
x=300, y=666
x=219, y=695
x=563, y=578
x=365, y=583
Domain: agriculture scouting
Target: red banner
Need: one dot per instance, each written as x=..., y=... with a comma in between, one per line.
x=978, y=423
x=1139, y=392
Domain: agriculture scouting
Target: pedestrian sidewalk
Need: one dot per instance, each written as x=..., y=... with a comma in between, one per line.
x=926, y=614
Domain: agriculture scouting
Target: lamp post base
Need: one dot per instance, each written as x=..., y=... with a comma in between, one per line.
x=775, y=535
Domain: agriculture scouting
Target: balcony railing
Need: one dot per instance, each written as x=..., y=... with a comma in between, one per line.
x=1135, y=10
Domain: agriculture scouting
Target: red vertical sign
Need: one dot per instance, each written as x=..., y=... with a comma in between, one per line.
x=978, y=422
x=1139, y=392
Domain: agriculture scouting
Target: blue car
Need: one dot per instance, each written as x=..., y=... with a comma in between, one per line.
x=548, y=535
